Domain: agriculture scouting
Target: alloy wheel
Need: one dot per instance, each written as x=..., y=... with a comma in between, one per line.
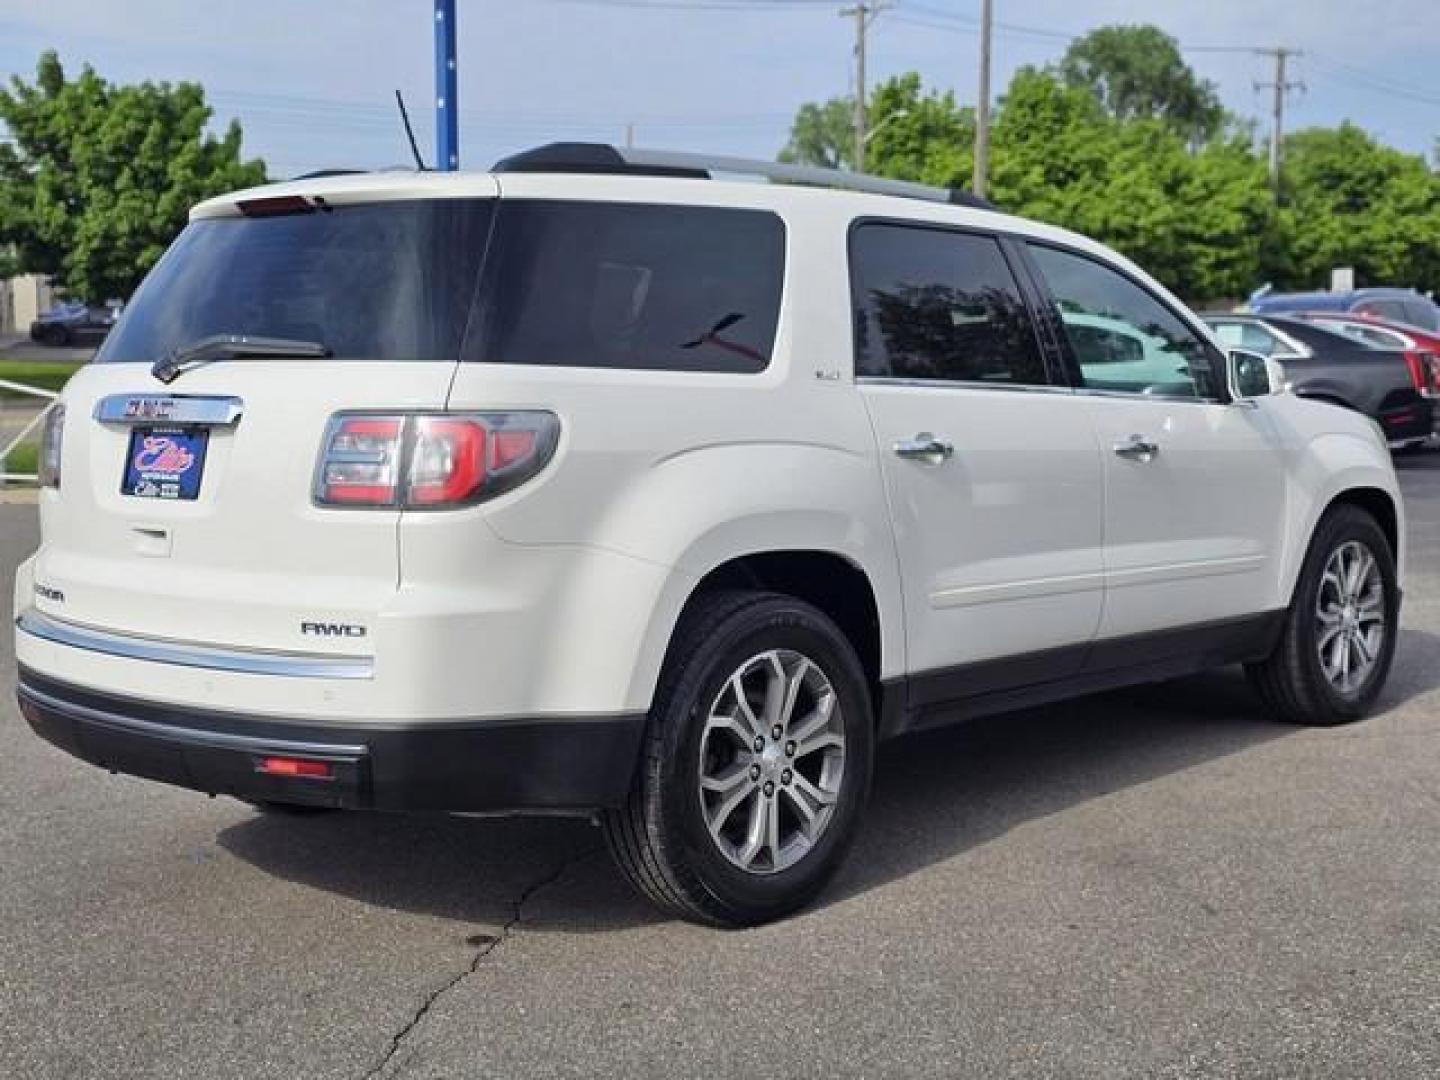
x=772, y=758
x=1350, y=616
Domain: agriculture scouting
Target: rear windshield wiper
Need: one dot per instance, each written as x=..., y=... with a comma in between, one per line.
x=207, y=350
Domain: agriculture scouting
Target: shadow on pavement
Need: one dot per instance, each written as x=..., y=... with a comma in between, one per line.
x=935, y=796
x=1425, y=459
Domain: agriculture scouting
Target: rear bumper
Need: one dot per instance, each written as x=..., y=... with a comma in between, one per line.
x=1409, y=425
x=495, y=765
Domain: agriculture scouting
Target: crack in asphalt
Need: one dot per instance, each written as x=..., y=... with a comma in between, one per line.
x=397, y=1040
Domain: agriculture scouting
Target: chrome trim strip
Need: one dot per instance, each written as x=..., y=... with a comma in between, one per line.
x=222, y=739
x=141, y=408
x=210, y=657
x=970, y=595
x=1029, y=388
x=962, y=384
x=1124, y=578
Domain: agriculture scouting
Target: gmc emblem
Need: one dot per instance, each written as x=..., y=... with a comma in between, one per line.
x=333, y=629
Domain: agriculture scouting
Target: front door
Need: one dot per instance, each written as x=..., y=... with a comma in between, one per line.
x=992, y=473
x=1194, y=487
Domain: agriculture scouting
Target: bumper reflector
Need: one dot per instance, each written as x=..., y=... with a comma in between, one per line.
x=281, y=766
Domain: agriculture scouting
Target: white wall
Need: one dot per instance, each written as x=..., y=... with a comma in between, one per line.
x=22, y=298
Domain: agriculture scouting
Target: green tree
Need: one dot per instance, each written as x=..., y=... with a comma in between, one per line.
x=823, y=135
x=1199, y=221
x=1354, y=202
x=1137, y=72
x=919, y=135
x=99, y=177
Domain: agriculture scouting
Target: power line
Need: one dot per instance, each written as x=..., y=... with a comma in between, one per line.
x=1346, y=73
x=703, y=5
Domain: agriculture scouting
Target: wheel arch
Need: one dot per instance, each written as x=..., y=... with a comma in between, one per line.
x=1378, y=504
x=1337, y=468
x=835, y=583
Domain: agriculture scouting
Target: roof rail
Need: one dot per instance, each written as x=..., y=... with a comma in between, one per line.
x=577, y=157
x=318, y=174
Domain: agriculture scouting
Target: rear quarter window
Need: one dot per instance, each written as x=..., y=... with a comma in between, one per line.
x=622, y=285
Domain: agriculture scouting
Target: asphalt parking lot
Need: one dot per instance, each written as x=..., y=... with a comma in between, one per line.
x=1158, y=882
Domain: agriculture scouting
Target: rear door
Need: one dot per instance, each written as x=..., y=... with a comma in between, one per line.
x=992, y=472
x=185, y=511
x=1194, y=487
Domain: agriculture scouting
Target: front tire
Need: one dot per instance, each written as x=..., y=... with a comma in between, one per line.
x=756, y=764
x=1339, y=636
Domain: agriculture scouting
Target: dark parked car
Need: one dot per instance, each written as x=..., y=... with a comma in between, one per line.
x=1397, y=305
x=1329, y=366
x=74, y=323
x=1422, y=347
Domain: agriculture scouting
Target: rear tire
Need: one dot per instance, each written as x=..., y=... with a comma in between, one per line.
x=1339, y=636
x=756, y=763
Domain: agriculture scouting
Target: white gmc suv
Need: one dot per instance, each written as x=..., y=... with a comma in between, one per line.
x=594, y=484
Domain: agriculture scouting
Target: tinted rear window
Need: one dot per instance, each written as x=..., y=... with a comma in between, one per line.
x=619, y=285
x=379, y=281
x=939, y=305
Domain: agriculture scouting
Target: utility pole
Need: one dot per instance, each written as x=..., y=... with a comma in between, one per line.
x=629, y=136
x=863, y=13
x=982, y=105
x=1281, y=56
x=447, y=133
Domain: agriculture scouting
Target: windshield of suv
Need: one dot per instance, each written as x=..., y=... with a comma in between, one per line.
x=378, y=281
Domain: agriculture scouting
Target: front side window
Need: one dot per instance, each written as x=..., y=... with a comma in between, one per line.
x=937, y=305
x=1101, y=309
x=621, y=285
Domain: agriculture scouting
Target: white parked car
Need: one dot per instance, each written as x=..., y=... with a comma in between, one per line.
x=593, y=484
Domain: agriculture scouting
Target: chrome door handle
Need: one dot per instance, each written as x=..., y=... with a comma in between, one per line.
x=1137, y=448
x=924, y=447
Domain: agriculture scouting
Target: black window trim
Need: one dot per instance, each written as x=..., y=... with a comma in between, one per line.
x=1053, y=375
x=1071, y=362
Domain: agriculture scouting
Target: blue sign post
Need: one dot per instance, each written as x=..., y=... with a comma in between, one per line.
x=447, y=134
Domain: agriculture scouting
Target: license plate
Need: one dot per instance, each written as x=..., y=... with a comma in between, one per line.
x=165, y=462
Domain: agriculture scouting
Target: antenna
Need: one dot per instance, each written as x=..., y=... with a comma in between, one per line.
x=410, y=132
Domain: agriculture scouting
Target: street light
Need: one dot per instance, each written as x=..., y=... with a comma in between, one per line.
x=896, y=115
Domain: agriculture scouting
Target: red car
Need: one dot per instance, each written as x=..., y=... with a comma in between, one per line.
x=1422, y=347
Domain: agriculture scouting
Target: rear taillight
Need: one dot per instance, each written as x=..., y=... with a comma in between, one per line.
x=1431, y=364
x=431, y=461
x=1415, y=360
x=52, y=439
x=360, y=461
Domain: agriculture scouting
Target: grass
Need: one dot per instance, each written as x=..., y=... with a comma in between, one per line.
x=44, y=374
x=25, y=458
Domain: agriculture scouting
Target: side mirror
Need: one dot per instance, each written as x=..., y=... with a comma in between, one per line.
x=1251, y=375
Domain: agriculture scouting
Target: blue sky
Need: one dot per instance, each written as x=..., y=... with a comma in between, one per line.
x=312, y=82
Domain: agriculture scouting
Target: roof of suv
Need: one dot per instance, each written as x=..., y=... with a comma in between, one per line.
x=679, y=179
x=671, y=187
